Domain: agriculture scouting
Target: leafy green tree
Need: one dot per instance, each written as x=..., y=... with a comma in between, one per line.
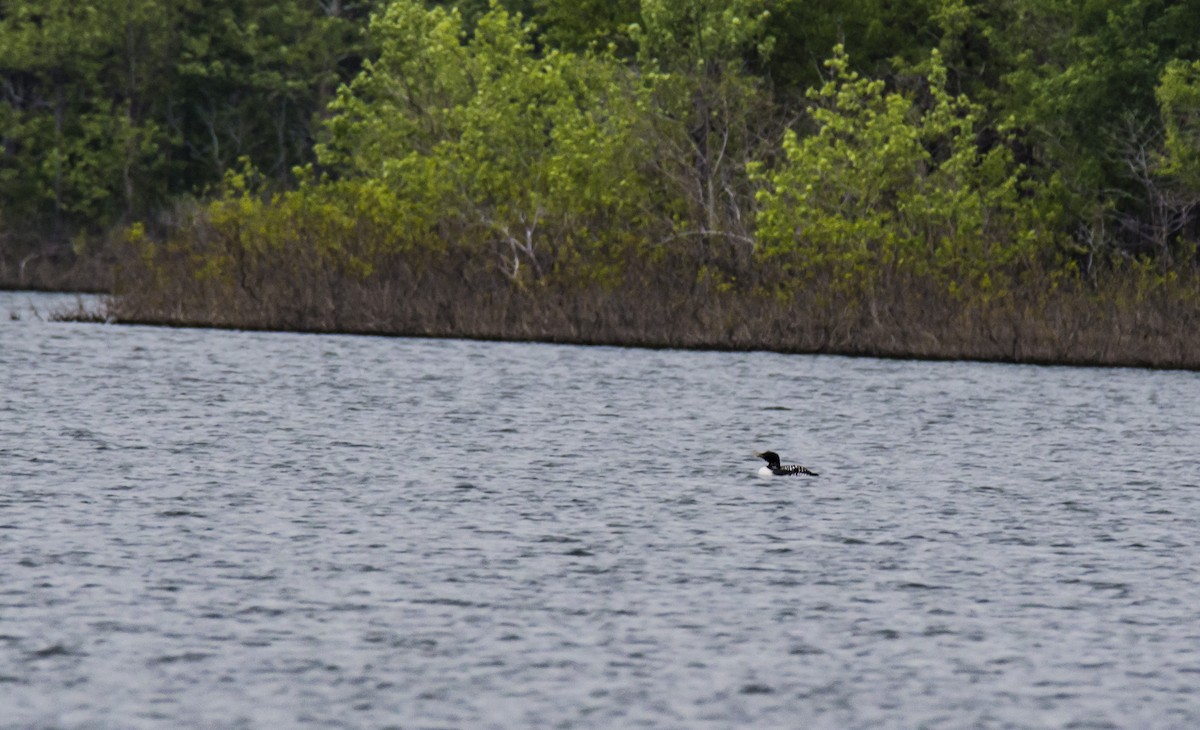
x=251, y=80
x=472, y=10
x=875, y=32
x=1083, y=90
x=78, y=141
x=710, y=115
x=577, y=25
x=1172, y=173
x=887, y=186
x=111, y=107
x=532, y=154
x=1179, y=100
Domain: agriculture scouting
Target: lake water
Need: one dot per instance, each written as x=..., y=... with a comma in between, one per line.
x=228, y=529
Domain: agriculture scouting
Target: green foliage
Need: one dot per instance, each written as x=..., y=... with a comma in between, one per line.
x=251, y=78
x=1083, y=86
x=875, y=32
x=577, y=25
x=76, y=137
x=569, y=143
x=111, y=107
x=520, y=151
x=708, y=116
x=702, y=36
x=1178, y=96
x=884, y=186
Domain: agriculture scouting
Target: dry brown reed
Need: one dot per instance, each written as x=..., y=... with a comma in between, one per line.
x=674, y=303
x=55, y=268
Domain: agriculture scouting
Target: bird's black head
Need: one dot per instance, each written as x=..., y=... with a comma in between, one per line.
x=771, y=457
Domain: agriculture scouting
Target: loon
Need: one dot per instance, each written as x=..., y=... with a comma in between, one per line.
x=775, y=469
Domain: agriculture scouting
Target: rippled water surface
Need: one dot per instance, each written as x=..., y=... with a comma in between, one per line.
x=227, y=529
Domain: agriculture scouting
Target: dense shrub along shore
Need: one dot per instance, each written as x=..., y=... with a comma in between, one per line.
x=685, y=300
x=57, y=269
x=1016, y=182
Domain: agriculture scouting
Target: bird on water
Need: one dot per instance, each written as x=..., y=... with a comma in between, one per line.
x=775, y=469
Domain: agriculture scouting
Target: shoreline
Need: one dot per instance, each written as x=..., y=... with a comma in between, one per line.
x=56, y=270
x=649, y=345
x=650, y=312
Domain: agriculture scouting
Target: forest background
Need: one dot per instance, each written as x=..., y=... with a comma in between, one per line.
x=1014, y=180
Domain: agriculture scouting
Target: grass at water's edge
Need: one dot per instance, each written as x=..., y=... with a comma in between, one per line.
x=1116, y=322
x=1142, y=364
x=56, y=269
x=1075, y=325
